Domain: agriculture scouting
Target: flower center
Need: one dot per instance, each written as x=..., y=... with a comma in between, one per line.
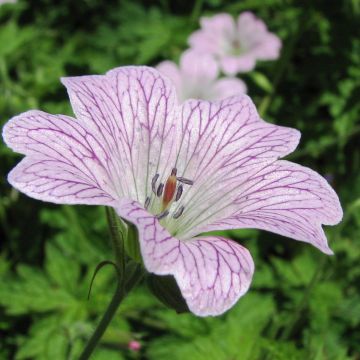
x=166, y=194
x=236, y=48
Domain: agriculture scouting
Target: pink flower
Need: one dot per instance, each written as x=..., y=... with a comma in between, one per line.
x=134, y=345
x=7, y=1
x=197, y=78
x=175, y=171
x=237, y=46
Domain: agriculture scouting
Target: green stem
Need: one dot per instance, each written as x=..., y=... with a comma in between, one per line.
x=122, y=289
x=104, y=323
x=196, y=11
x=118, y=232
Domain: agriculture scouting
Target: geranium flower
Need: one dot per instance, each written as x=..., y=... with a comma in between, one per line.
x=237, y=46
x=134, y=345
x=197, y=78
x=7, y=1
x=174, y=171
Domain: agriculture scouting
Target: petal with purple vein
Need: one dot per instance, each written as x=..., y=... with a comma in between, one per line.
x=287, y=199
x=64, y=162
x=220, y=145
x=131, y=111
x=212, y=272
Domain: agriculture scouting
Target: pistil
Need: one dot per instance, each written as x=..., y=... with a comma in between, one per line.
x=170, y=188
x=170, y=191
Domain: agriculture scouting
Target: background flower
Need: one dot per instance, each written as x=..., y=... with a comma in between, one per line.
x=196, y=77
x=7, y=1
x=237, y=46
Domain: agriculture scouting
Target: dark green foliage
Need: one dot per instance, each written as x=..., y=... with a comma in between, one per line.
x=302, y=304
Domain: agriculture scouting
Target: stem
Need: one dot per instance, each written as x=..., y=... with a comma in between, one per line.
x=122, y=289
x=104, y=323
x=118, y=231
x=196, y=11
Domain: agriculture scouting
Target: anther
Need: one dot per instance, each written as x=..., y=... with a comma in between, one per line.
x=173, y=172
x=185, y=181
x=179, y=212
x=162, y=215
x=153, y=183
x=147, y=202
x=160, y=189
x=179, y=192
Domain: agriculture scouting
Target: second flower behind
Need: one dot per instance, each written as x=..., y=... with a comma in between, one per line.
x=197, y=78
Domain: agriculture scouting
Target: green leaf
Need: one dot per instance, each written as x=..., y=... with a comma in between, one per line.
x=261, y=80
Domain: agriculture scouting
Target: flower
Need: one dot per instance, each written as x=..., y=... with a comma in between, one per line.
x=134, y=345
x=196, y=78
x=236, y=46
x=174, y=171
x=7, y=1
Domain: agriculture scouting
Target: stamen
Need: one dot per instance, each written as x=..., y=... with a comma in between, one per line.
x=185, y=181
x=162, y=215
x=179, y=212
x=160, y=189
x=147, y=202
x=179, y=192
x=153, y=183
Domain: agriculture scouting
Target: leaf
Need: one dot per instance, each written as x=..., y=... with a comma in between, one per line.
x=64, y=271
x=261, y=80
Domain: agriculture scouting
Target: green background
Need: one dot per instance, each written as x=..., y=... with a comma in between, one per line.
x=302, y=303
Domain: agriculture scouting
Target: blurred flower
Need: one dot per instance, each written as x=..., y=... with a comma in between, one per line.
x=7, y=1
x=237, y=46
x=197, y=78
x=174, y=171
x=134, y=345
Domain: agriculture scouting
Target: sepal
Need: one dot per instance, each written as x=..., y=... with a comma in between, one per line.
x=167, y=291
x=131, y=242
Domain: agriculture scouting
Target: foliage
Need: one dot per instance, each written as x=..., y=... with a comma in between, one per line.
x=302, y=304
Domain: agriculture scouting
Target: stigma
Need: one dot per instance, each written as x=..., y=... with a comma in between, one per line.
x=170, y=189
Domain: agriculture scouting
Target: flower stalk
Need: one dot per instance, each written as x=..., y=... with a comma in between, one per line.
x=118, y=233
x=104, y=322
